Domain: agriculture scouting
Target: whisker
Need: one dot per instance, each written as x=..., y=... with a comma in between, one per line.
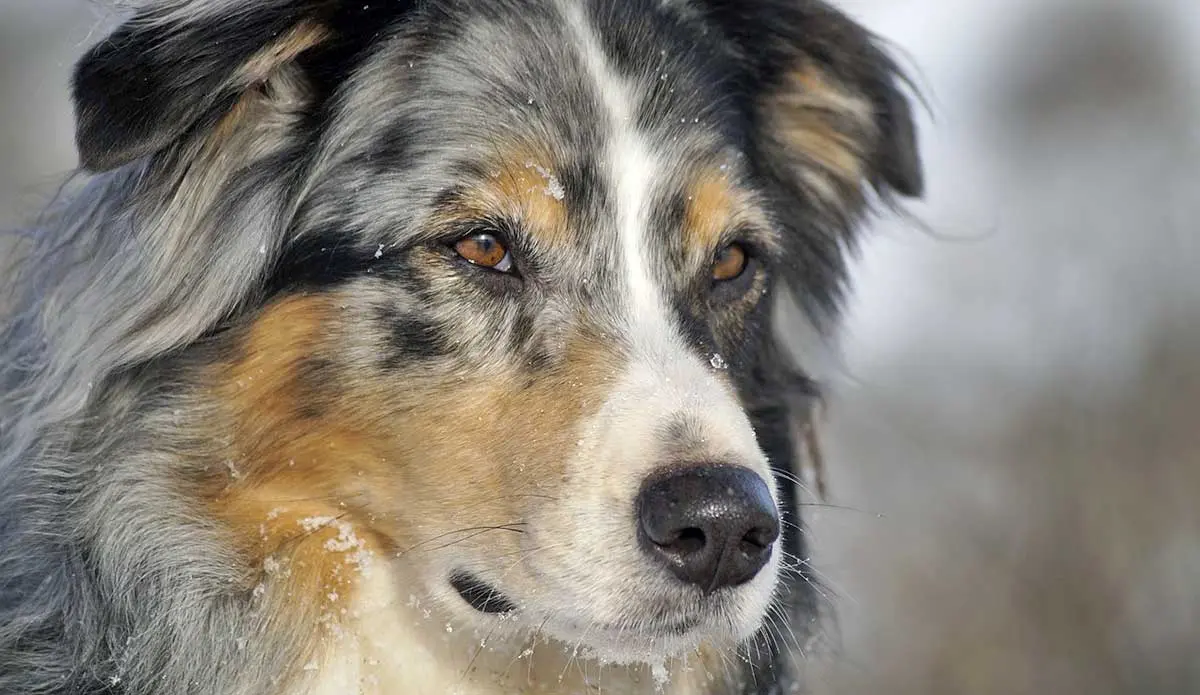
x=787, y=624
x=501, y=498
x=816, y=578
x=473, y=530
x=479, y=649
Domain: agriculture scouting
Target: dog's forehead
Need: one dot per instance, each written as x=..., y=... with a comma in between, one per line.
x=539, y=89
x=511, y=52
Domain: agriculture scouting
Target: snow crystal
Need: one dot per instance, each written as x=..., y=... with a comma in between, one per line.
x=312, y=523
x=272, y=566
x=661, y=677
x=379, y=251
x=554, y=187
x=717, y=361
x=345, y=542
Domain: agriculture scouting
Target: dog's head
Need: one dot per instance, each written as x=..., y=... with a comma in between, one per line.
x=501, y=275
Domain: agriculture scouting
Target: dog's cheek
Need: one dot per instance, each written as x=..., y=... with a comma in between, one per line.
x=472, y=438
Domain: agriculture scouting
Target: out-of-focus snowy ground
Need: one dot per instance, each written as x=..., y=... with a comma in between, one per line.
x=1017, y=395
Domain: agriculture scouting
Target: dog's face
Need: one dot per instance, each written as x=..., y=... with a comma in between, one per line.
x=519, y=318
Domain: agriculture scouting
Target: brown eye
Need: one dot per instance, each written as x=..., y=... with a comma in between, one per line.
x=730, y=263
x=486, y=250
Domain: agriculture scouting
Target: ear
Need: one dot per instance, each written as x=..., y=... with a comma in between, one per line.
x=829, y=99
x=180, y=65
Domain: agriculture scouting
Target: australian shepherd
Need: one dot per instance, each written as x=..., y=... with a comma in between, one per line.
x=415, y=347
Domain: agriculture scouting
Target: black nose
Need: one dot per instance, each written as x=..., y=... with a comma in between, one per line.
x=712, y=525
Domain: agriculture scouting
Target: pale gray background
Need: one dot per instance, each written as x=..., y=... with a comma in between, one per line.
x=1017, y=390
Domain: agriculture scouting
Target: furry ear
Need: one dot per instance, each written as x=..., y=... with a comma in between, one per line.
x=830, y=98
x=179, y=65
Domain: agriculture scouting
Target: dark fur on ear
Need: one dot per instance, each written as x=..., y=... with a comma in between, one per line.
x=180, y=66
x=816, y=70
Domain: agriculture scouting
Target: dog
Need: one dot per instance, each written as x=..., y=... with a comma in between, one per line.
x=426, y=347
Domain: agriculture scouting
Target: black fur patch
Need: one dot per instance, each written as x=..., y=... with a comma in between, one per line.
x=522, y=331
x=583, y=188
x=320, y=260
x=410, y=338
x=480, y=596
x=693, y=324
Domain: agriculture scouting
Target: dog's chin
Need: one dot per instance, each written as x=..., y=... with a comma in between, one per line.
x=647, y=644
x=721, y=620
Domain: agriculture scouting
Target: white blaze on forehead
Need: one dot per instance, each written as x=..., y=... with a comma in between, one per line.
x=631, y=164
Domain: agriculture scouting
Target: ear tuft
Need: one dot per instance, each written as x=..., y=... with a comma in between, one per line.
x=823, y=129
x=840, y=134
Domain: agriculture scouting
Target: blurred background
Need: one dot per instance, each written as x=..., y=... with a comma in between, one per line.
x=1013, y=436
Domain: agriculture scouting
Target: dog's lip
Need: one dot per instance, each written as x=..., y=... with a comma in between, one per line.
x=480, y=595
x=681, y=627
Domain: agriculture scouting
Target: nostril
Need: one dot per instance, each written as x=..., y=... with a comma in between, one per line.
x=689, y=540
x=759, y=538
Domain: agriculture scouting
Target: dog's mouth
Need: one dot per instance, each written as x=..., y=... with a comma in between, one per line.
x=650, y=630
x=486, y=598
x=479, y=595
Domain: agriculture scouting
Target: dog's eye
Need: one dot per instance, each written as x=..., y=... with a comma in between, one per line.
x=486, y=250
x=730, y=263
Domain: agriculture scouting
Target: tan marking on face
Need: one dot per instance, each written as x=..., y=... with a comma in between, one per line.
x=303, y=548
x=479, y=451
x=716, y=206
x=303, y=545
x=712, y=206
x=262, y=388
x=824, y=125
x=521, y=185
